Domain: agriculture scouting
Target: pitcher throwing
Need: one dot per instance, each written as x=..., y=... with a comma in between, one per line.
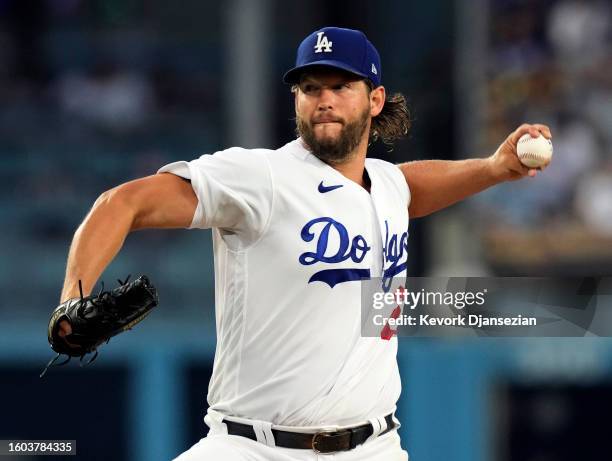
x=295, y=231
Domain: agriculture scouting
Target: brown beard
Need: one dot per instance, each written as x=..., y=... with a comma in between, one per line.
x=334, y=151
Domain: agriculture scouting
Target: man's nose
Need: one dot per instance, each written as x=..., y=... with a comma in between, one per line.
x=326, y=99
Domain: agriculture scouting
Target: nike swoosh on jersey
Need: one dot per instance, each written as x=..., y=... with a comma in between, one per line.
x=323, y=189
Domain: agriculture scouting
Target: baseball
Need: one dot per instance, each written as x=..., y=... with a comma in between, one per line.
x=534, y=152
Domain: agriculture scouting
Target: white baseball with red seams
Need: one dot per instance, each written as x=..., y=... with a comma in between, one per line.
x=534, y=152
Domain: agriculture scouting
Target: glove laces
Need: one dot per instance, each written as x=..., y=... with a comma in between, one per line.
x=82, y=363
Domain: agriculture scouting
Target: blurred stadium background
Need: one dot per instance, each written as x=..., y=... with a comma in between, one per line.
x=94, y=93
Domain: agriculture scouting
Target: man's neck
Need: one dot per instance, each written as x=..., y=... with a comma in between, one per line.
x=354, y=168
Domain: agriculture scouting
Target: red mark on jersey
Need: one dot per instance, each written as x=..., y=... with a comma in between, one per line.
x=387, y=332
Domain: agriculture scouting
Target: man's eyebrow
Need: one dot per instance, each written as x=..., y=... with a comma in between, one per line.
x=307, y=79
x=314, y=80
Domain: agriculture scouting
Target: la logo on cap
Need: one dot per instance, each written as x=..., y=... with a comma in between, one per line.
x=323, y=44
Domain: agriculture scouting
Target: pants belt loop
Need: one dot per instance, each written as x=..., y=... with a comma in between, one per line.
x=383, y=424
x=263, y=432
x=375, y=422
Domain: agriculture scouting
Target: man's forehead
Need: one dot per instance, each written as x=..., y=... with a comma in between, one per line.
x=325, y=74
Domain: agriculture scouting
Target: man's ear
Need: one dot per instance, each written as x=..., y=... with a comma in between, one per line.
x=295, y=90
x=377, y=100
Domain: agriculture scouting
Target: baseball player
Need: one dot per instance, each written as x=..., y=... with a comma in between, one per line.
x=295, y=231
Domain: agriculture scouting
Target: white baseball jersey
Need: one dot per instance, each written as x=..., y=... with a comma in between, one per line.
x=292, y=240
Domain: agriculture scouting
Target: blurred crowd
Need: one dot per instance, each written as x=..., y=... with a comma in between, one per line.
x=92, y=94
x=83, y=84
x=549, y=62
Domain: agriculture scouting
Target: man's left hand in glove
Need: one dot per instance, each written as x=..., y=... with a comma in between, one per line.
x=94, y=319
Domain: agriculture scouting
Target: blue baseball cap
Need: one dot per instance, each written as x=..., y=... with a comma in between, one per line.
x=345, y=49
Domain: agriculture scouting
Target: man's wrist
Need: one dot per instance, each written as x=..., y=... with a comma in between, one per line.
x=495, y=172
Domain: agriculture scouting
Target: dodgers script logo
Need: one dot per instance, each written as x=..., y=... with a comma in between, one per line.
x=394, y=251
x=324, y=227
x=319, y=231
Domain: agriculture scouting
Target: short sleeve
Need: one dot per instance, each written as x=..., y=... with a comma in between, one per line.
x=234, y=190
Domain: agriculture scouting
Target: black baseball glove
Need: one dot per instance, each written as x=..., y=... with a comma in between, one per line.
x=95, y=319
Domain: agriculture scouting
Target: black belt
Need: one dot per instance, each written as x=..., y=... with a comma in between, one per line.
x=321, y=442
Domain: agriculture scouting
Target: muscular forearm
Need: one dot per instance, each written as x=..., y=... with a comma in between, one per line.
x=436, y=184
x=96, y=242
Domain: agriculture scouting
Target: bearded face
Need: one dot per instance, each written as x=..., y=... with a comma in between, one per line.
x=332, y=147
x=332, y=113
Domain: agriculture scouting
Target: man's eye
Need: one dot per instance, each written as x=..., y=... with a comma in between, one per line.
x=309, y=89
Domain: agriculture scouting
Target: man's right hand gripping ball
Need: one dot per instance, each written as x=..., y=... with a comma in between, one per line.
x=95, y=319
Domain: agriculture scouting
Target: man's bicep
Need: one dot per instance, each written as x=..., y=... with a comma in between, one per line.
x=404, y=168
x=163, y=200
